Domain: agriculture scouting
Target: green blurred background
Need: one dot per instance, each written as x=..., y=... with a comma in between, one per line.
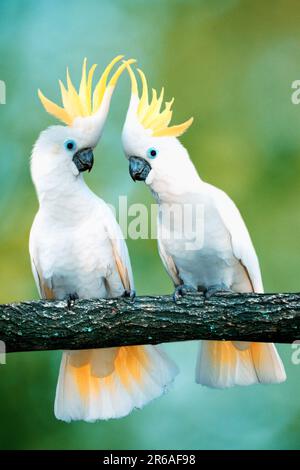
x=230, y=64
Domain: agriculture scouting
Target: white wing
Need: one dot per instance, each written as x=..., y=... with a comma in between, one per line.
x=45, y=291
x=168, y=263
x=120, y=250
x=242, y=246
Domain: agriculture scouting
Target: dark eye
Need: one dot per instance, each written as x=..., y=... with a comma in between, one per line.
x=152, y=152
x=70, y=145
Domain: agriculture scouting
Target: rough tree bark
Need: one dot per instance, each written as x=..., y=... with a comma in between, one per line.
x=48, y=325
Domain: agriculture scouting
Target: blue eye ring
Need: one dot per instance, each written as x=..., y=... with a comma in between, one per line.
x=70, y=145
x=152, y=153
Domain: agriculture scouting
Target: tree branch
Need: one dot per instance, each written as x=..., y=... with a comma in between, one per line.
x=48, y=325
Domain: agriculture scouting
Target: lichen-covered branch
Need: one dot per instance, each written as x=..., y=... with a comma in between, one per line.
x=47, y=325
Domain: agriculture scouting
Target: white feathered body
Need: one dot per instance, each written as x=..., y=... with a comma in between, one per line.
x=213, y=250
x=206, y=258
x=77, y=251
x=209, y=248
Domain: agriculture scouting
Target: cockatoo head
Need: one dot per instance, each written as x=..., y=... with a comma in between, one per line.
x=152, y=147
x=63, y=152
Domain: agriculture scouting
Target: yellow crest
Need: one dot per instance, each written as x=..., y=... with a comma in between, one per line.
x=84, y=102
x=150, y=114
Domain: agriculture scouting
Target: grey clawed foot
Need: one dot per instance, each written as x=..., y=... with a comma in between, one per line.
x=212, y=290
x=129, y=294
x=182, y=290
x=71, y=300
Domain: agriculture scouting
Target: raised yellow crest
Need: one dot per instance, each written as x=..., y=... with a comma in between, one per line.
x=84, y=102
x=150, y=114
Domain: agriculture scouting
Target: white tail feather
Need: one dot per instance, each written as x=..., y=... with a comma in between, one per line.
x=221, y=365
x=140, y=374
x=268, y=365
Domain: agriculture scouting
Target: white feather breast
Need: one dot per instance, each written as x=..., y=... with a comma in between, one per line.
x=76, y=257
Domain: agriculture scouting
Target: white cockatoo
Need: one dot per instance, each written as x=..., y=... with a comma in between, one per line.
x=211, y=250
x=78, y=252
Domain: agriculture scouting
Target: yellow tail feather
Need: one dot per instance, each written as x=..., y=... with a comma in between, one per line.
x=220, y=364
x=138, y=374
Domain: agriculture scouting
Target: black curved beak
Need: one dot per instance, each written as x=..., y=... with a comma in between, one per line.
x=139, y=168
x=84, y=159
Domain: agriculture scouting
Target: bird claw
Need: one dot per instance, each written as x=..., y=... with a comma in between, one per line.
x=216, y=289
x=182, y=290
x=71, y=300
x=129, y=294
